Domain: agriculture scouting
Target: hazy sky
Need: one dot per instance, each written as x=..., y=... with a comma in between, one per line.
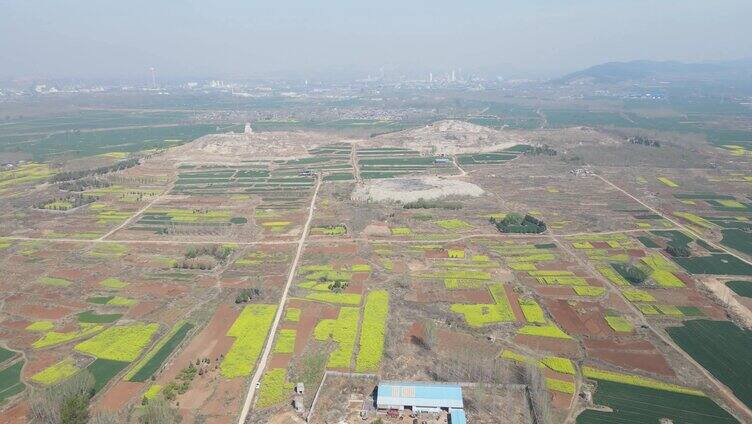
x=186, y=38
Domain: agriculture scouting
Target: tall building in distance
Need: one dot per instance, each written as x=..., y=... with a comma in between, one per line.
x=453, y=79
x=153, y=78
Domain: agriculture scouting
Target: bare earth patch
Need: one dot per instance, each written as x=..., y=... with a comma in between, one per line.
x=412, y=189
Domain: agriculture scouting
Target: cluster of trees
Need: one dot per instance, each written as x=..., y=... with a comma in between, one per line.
x=426, y=204
x=517, y=223
x=204, y=257
x=630, y=273
x=248, y=295
x=541, y=150
x=338, y=286
x=182, y=382
x=75, y=175
x=644, y=141
x=678, y=251
x=84, y=184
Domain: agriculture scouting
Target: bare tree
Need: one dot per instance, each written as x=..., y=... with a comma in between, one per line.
x=429, y=333
x=539, y=397
x=158, y=411
x=46, y=404
x=467, y=365
x=107, y=418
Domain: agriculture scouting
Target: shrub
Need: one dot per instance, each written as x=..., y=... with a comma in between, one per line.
x=247, y=295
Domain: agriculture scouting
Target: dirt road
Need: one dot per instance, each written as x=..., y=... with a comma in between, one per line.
x=270, y=339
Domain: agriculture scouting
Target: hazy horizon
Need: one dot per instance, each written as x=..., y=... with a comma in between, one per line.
x=234, y=39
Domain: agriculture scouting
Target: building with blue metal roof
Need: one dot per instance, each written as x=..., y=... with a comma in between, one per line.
x=418, y=396
x=457, y=416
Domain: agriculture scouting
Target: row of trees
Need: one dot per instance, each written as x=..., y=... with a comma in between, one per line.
x=644, y=141
x=427, y=204
x=84, y=184
x=67, y=202
x=75, y=175
x=545, y=150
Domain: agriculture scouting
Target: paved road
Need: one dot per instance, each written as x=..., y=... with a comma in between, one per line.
x=270, y=339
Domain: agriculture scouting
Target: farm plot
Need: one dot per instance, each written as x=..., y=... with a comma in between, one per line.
x=331, y=160
x=737, y=239
x=278, y=190
x=479, y=315
x=56, y=373
x=10, y=380
x=342, y=331
x=716, y=264
x=492, y=158
x=250, y=330
x=162, y=221
x=329, y=230
x=723, y=349
x=120, y=343
x=459, y=272
x=23, y=174
x=635, y=404
x=390, y=162
x=154, y=359
x=524, y=257
x=121, y=140
x=742, y=288
x=373, y=331
x=105, y=370
x=274, y=388
x=330, y=285
x=54, y=338
x=285, y=341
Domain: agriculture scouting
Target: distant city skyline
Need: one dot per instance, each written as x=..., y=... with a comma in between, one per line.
x=236, y=39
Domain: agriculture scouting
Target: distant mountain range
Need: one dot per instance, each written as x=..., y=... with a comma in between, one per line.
x=669, y=71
